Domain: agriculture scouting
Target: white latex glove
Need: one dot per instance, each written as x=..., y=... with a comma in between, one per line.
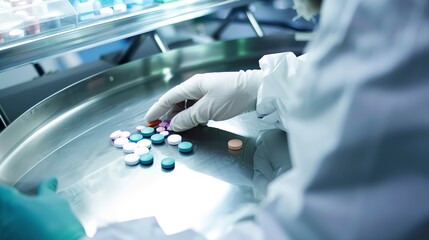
x=219, y=96
x=307, y=8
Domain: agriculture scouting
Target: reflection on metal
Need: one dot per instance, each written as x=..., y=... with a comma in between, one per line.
x=3, y=119
x=233, y=14
x=67, y=136
x=255, y=25
x=93, y=34
x=161, y=45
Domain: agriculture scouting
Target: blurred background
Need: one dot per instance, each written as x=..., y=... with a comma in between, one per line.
x=47, y=45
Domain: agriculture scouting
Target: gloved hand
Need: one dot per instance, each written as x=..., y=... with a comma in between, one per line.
x=219, y=96
x=307, y=8
x=271, y=159
x=45, y=216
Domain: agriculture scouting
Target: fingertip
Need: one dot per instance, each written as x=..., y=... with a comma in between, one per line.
x=153, y=113
x=182, y=122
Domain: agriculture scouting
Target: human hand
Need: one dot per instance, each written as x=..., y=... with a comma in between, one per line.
x=45, y=216
x=219, y=96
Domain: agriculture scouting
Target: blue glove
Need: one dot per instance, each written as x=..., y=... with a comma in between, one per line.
x=45, y=216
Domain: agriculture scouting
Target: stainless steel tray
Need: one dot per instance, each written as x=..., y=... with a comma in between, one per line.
x=67, y=136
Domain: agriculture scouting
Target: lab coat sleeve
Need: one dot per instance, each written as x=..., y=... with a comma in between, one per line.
x=274, y=94
x=358, y=127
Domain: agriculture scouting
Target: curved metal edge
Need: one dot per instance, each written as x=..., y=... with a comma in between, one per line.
x=82, y=93
x=110, y=30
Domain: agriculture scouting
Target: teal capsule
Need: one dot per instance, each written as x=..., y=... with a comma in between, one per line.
x=157, y=138
x=147, y=131
x=168, y=163
x=136, y=137
x=146, y=159
x=185, y=147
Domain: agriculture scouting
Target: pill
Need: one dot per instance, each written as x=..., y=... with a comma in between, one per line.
x=125, y=134
x=119, y=142
x=165, y=133
x=139, y=128
x=235, y=144
x=147, y=131
x=116, y=134
x=167, y=163
x=136, y=137
x=163, y=124
x=16, y=34
x=144, y=143
x=185, y=147
x=157, y=138
x=154, y=123
x=129, y=147
x=32, y=25
x=174, y=139
x=131, y=159
x=146, y=159
x=106, y=11
x=118, y=8
x=160, y=129
x=141, y=150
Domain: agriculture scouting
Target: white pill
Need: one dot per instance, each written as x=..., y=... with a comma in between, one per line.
x=115, y=134
x=174, y=139
x=16, y=33
x=106, y=11
x=125, y=134
x=120, y=7
x=129, y=147
x=119, y=142
x=165, y=133
x=144, y=143
x=140, y=127
x=141, y=150
x=132, y=159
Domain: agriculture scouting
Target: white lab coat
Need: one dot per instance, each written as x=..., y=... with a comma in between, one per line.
x=357, y=117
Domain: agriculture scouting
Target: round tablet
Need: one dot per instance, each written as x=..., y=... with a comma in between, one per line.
x=235, y=144
x=163, y=124
x=136, y=137
x=167, y=163
x=165, y=133
x=125, y=134
x=146, y=159
x=129, y=147
x=157, y=138
x=144, y=143
x=131, y=159
x=160, y=129
x=141, y=150
x=139, y=128
x=185, y=147
x=115, y=135
x=147, y=131
x=174, y=139
x=119, y=142
x=154, y=123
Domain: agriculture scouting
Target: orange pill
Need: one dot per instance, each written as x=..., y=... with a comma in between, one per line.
x=235, y=144
x=154, y=123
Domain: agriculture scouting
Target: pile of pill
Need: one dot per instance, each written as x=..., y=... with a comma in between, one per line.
x=137, y=146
